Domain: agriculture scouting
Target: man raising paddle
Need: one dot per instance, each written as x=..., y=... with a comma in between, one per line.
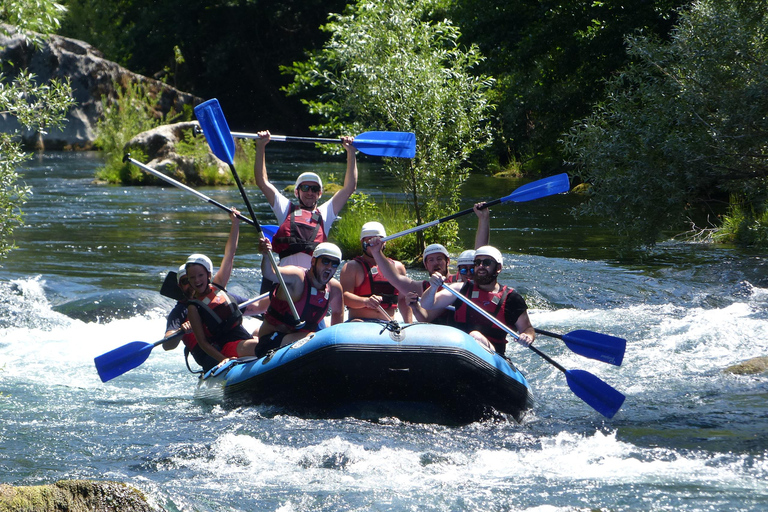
x=301, y=227
x=500, y=301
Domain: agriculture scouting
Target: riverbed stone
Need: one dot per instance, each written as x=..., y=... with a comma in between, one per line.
x=753, y=366
x=159, y=145
x=91, y=76
x=74, y=496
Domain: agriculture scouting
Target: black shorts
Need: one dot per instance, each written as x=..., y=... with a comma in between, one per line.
x=269, y=342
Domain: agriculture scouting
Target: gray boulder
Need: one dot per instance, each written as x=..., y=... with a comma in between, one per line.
x=91, y=76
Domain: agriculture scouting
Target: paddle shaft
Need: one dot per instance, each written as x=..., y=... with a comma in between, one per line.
x=287, y=138
x=439, y=221
x=175, y=183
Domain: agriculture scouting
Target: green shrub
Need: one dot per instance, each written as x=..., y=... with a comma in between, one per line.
x=359, y=210
x=743, y=225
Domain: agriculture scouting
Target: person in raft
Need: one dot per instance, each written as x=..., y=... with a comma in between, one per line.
x=500, y=301
x=368, y=295
x=313, y=291
x=436, y=259
x=214, y=315
x=304, y=225
x=177, y=318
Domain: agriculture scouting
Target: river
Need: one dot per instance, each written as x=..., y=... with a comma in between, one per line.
x=85, y=280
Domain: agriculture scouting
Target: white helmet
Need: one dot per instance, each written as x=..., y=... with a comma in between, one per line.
x=491, y=251
x=308, y=176
x=200, y=259
x=435, y=249
x=372, y=229
x=466, y=258
x=327, y=249
x=181, y=273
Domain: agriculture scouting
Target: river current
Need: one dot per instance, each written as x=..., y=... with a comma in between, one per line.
x=85, y=280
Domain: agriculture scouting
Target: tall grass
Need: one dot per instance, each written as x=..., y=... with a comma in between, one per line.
x=744, y=225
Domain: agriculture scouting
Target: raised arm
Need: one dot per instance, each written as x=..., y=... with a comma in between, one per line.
x=341, y=197
x=483, y=235
x=225, y=269
x=396, y=278
x=292, y=276
x=260, y=169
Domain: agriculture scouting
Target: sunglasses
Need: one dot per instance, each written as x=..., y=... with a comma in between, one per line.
x=307, y=188
x=486, y=262
x=184, y=281
x=329, y=261
x=466, y=270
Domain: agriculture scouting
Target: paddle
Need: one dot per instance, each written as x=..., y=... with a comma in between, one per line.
x=127, y=357
x=602, y=347
x=268, y=230
x=534, y=190
x=122, y=359
x=391, y=144
x=216, y=131
x=596, y=393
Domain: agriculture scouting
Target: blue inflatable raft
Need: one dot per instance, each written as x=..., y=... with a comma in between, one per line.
x=417, y=372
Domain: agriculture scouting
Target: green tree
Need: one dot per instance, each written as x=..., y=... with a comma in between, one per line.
x=683, y=125
x=35, y=106
x=551, y=58
x=389, y=65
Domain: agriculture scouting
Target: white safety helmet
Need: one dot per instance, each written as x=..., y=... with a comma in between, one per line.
x=372, y=229
x=327, y=249
x=200, y=259
x=466, y=258
x=181, y=273
x=435, y=249
x=491, y=251
x=308, y=176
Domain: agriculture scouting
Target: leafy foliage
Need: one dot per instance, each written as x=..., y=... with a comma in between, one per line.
x=683, y=125
x=35, y=106
x=550, y=59
x=389, y=66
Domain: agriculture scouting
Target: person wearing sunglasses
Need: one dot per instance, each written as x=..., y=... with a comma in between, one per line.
x=303, y=225
x=368, y=295
x=314, y=291
x=178, y=317
x=500, y=301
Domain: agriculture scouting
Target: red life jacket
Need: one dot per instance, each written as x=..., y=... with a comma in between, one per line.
x=221, y=317
x=312, y=307
x=301, y=231
x=375, y=284
x=467, y=319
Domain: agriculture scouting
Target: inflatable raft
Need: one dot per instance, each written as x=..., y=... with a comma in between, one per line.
x=417, y=372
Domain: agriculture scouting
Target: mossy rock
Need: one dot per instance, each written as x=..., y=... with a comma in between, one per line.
x=581, y=189
x=73, y=496
x=752, y=366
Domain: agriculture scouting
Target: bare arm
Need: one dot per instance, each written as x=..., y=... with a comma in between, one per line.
x=341, y=197
x=525, y=330
x=439, y=300
x=419, y=313
x=390, y=271
x=202, y=340
x=483, y=235
x=292, y=276
x=225, y=270
x=337, y=302
x=260, y=169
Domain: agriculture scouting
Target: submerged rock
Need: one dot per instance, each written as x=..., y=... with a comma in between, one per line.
x=74, y=496
x=750, y=366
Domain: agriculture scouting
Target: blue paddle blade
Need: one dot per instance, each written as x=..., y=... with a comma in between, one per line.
x=122, y=359
x=599, y=395
x=602, y=347
x=216, y=130
x=269, y=231
x=391, y=144
x=540, y=188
